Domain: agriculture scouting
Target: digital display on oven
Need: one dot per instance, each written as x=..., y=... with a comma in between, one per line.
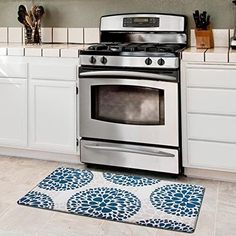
x=141, y=22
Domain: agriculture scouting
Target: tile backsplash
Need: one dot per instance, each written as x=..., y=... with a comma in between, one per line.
x=46, y=34
x=15, y=34
x=3, y=35
x=90, y=35
x=52, y=35
x=75, y=35
x=59, y=35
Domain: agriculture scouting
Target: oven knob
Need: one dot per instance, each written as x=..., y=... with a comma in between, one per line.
x=92, y=60
x=148, y=61
x=161, y=62
x=103, y=60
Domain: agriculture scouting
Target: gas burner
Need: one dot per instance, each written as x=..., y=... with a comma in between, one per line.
x=104, y=47
x=133, y=48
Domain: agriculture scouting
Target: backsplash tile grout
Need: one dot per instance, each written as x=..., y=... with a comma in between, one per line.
x=52, y=35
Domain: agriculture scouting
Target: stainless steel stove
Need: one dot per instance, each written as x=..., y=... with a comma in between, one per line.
x=130, y=93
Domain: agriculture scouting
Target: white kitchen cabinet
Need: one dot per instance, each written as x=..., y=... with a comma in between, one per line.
x=53, y=71
x=52, y=124
x=38, y=106
x=208, y=93
x=13, y=69
x=13, y=112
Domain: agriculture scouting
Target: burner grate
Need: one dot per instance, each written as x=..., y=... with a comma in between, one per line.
x=135, y=47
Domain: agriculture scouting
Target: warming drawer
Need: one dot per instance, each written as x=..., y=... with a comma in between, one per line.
x=130, y=156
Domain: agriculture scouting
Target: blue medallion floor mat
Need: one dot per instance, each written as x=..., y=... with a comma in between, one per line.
x=124, y=198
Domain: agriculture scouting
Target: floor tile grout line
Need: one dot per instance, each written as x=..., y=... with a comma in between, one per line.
x=216, y=209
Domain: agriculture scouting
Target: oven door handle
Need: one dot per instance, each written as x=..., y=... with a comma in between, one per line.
x=130, y=150
x=126, y=74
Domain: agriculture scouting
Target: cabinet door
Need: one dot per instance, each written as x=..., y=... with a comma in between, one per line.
x=53, y=116
x=13, y=112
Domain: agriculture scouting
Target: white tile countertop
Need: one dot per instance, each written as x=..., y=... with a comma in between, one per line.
x=232, y=55
x=217, y=54
x=193, y=54
x=221, y=53
x=44, y=50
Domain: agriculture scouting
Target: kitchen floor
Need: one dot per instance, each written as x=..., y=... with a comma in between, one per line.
x=19, y=175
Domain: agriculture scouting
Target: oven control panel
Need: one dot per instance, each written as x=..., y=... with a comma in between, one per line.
x=141, y=22
x=142, y=62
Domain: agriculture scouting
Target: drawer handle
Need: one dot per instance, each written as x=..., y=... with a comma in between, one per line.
x=129, y=150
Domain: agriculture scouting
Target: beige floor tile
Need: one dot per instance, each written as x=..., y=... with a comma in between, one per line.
x=27, y=171
x=226, y=221
x=64, y=233
x=226, y=210
x=10, y=193
x=206, y=224
x=211, y=192
x=227, y=193
x=4, y=207
x=16, y=233
x=24, y=219
x=19, y=175
x=72, y=224
x=118, y=229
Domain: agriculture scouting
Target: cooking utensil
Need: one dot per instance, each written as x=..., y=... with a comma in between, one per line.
x=202, y=21
x=22, y=8
x=28, y=20
x=21, y=19
x=32, y=21
x=38, y=12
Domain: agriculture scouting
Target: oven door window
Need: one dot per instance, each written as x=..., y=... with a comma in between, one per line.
x=128, y=104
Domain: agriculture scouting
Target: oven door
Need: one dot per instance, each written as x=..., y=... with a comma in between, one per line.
x=129, y=106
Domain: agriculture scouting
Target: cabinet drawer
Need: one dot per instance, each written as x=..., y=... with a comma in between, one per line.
x=14, y=70
x=215, y=101
x=50, y=71
x=211, y=76
x=221, y=156
x=209, y=127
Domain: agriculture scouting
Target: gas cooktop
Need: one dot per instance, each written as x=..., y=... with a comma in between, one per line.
x=135, y=49
x=138, y=40
x=149, y=55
